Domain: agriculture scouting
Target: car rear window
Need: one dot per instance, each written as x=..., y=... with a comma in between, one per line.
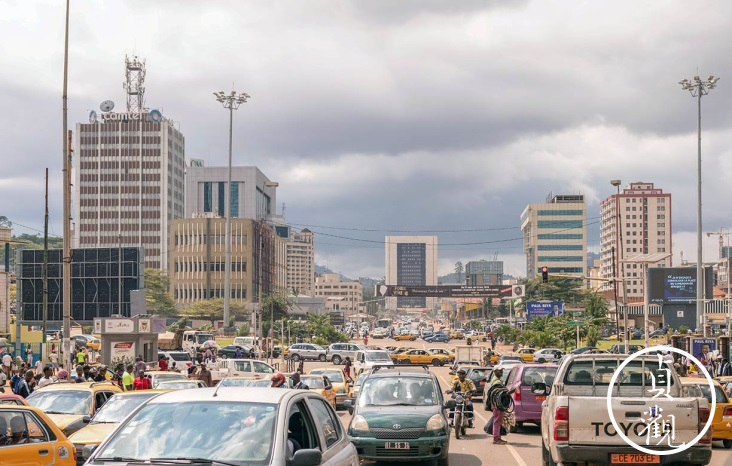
x=532, y=375
x=600, y=372
x=180, y=356
x=718, y=393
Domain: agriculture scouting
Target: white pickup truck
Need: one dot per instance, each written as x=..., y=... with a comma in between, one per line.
x=576, y=428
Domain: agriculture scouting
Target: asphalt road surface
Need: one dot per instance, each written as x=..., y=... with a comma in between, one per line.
x=476, y=448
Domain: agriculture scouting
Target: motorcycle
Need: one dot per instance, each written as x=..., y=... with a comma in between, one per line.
x=460, y=414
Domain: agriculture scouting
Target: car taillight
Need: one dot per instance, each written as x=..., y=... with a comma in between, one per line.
x=517, y=395
x=727, y=412
x=561, y=424
x=703, y=418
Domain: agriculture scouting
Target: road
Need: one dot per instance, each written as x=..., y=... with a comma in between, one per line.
x=523, y=448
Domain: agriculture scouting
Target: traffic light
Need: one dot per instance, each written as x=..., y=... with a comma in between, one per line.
x=545, y=274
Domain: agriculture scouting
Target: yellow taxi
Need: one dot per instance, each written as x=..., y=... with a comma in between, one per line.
x=527, y=354
x=722, y=417
x=71, y=405
x=405, y=337
x=338, y=380
x=355, y=389
x=109, y=417
x=456, y=335
x=321, y=385
x=31, y=438
x=444, y=352
x=418, y=356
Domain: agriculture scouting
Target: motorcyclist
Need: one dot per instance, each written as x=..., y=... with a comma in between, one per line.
x=467, y=388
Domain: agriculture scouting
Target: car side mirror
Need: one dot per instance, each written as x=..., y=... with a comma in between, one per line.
x=539, y=388
x=86, y=419
x=451, y=372
x=88, y=450
x=449, y=404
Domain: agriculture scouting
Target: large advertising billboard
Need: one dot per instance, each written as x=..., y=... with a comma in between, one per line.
x=539, y=309
x=677, y=284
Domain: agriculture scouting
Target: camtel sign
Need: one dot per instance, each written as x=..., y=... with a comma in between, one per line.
x=107, y=115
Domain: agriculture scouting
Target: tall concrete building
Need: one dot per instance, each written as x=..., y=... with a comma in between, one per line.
x=341, y=297
x=301, y=262
x=128, y=182
x=198, y=261
x=645, y=217
x=253, y=195
x=411, y=260
x=555, y=235
x=483, y=272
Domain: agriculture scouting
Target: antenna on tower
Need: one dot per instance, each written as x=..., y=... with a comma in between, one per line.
x=283, y=210
x=135, y=84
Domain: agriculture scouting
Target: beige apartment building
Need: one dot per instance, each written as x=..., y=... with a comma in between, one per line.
x=300, y=262
x=411, y=260
x=555, y=235
x=341, y=296
x=645, y=223
x=198, y=262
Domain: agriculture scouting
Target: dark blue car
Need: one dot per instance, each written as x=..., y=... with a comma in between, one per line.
x=437, y=337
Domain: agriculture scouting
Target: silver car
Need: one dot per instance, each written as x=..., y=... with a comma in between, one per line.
x=337, y=352
x=262, y=426
x=303, y=351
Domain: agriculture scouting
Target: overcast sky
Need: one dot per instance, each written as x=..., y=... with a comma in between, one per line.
x=385, y=116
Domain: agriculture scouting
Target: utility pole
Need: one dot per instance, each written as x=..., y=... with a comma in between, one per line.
x=45, y=267
x=66, y=259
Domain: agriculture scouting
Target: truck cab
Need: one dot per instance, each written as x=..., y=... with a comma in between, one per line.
x=193, y=341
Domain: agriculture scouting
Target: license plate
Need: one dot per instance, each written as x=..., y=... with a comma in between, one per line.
x=634, y=458
x=396, y=445
x=540, y=397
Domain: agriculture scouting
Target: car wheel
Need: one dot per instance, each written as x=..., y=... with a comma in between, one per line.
x=542, y=360
x=727, y=443
x=435, y=362
x=546, y=457
x=295, y=357
x=321, y=358
x=513, y=429
x=336, y=360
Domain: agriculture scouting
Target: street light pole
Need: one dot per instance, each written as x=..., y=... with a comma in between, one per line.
x=232, y=102
x=626, y=333
x=698, y=88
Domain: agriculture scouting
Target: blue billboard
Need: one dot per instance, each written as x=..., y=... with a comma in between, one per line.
x=537, y=309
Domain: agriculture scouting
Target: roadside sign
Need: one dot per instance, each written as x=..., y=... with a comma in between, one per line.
x=575, y=322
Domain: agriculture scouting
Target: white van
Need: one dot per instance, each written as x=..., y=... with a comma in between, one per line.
x=370, y=358
x=248, y=341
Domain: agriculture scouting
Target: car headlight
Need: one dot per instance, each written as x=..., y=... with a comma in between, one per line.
x=435, y=423
x=359, y=425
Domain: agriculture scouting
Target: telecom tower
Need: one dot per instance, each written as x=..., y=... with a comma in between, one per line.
x=135, y=84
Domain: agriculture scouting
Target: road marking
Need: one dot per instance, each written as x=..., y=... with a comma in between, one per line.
x=516, y=455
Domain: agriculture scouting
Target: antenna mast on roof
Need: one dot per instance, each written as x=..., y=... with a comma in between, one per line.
x=135, y=84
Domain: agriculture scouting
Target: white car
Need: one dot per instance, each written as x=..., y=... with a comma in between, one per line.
x=262, y=426
x=548, y=355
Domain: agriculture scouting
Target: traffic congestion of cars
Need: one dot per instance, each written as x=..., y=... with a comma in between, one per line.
x=390, y=404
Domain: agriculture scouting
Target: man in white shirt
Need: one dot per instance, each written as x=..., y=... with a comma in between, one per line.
x=47, y=377
x=39, y=366
x=54, y=360
x=7, y=364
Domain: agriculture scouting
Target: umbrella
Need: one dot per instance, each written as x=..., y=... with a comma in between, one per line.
x=209, y=344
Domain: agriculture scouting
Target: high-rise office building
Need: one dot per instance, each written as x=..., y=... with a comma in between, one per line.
x=301, y=262
x=645, y=221
x=411, y=260
x=253, y=195
x=483, y=272
x=128, y=182
x=555, y=235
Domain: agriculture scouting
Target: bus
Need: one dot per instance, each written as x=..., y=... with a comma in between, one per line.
x=383, y=323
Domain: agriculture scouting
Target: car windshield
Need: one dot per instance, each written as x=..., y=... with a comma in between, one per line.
x=511, y=358
x=398, y=391
x=119, y=407
x=260, y=383
x=236, y=382
x=180, y=356
x=534, y=375
x=718, y=393
x=201, y=338
x=234, y=432
x=313, y=382
x=62, y=401
x=170, y=376
x=599, y=372
x=333, y=376
x=377, y=356
x=177, y=384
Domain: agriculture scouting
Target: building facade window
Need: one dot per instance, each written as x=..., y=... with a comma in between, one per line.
x=221, y=210
x=234, y=193
x=208, y=197
x=559, y=224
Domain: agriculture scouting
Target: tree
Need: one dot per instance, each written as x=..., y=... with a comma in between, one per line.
x=157, y=293
x=273, y=308
x=459, y=271
x=4, y=222
x=212, y=309
x=593, y=335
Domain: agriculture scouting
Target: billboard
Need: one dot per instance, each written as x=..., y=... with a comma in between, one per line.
x=676, y=284
x=451, y=291
x=702, y=349
x=543, y=309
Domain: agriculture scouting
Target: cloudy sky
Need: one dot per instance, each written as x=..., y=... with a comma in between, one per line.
x=382, y=117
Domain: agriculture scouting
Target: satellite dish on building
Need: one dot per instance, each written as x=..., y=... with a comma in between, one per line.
x=106, y=106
